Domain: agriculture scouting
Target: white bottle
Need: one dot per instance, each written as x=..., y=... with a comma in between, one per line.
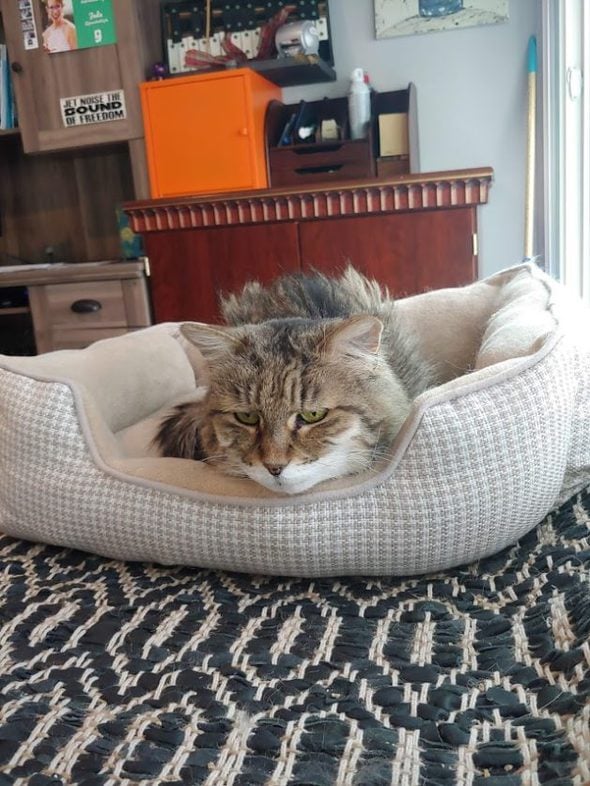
x=359, y=105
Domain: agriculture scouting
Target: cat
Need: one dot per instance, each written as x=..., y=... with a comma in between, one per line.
x=310, y=379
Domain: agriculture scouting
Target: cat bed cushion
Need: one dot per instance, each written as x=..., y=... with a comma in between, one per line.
x=479, y=461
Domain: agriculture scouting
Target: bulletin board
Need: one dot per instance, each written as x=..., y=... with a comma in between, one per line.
x=198, y=34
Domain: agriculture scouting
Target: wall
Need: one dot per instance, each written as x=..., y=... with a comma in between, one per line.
x=472, y=103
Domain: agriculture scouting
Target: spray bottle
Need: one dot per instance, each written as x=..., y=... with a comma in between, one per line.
x=359, y=105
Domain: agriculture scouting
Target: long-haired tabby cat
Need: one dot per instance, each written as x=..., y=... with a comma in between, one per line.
x=311, y=379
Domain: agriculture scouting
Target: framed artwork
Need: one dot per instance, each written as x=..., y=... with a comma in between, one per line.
x=407, y=17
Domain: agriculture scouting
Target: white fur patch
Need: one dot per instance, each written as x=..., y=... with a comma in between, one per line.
x=296, y=478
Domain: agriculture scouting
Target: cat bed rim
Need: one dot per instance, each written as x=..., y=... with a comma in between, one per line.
x=453, y=390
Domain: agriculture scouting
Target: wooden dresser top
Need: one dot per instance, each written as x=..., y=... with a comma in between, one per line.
x=420, y=191
x=62, y=273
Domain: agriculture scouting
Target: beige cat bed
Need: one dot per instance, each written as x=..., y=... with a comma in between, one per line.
x=480, y=460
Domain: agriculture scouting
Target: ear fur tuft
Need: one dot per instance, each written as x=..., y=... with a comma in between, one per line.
x=211, y=340
x=357, y=336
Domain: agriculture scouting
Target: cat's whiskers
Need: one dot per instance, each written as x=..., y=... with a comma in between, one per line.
x=380, y=451
x=212, y=457
x=362, y=460
x=356, y=462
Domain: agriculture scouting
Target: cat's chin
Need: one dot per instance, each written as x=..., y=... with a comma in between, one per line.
x=344, y=458
x=283, y=485
x=298, y=478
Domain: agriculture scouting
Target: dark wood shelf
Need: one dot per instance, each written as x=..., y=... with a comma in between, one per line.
x=291, y=71
x=14, y=310
x=67, y=272
x=281, y=71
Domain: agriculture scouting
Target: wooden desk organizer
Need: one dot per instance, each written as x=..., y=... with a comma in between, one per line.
x=343, y=158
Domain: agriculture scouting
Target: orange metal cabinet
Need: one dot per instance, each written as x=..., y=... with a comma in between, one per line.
x=205, y=133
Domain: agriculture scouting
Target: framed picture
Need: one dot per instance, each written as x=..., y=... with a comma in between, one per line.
x=407, y=17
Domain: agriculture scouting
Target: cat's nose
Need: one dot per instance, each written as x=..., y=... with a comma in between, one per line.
x=274, y=469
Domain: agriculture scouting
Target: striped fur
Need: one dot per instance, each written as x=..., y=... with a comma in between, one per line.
x=303, y=344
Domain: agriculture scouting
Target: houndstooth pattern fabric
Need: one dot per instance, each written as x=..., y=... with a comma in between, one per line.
x=480, y=471
x=121, y=674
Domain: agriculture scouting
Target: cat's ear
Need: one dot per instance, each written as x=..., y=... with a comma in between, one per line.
x=210, y=340
x=355, y=337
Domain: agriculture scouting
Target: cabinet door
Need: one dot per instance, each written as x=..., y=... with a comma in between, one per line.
x=41, y=79
x=191, y=268
x=408, y=252
x=198, y=135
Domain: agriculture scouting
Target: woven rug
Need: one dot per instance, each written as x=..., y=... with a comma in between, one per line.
x=115, y=673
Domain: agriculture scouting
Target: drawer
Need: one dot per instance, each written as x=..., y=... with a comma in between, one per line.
x=86, y=304
x=74, y=314
x=321, y=163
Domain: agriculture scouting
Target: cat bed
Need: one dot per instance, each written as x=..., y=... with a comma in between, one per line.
x=480, y=459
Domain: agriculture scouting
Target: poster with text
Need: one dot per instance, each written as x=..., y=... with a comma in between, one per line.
x=93, y=108
x=77, y=24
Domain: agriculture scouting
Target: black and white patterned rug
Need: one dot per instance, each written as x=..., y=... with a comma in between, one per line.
x=115, y=674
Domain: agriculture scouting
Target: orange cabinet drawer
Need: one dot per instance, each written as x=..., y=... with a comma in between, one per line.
x=205, y=133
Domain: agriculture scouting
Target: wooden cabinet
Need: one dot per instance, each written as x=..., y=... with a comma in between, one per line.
x=60, y=203
x=205, y=133
x=411, y=233
x=41, y=80
x=73, y=305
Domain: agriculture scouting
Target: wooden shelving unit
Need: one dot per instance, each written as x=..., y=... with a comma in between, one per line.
x=342, y=159
x=185, y=29
x=60, y=204
x=15, y=310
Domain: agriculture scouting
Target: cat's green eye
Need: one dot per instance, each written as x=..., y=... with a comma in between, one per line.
x=312, y=416
x=247, y=418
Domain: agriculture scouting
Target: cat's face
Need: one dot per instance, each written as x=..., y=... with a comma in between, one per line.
x=292, y=403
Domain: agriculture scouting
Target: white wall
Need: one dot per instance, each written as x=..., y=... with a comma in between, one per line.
x=472, y=103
